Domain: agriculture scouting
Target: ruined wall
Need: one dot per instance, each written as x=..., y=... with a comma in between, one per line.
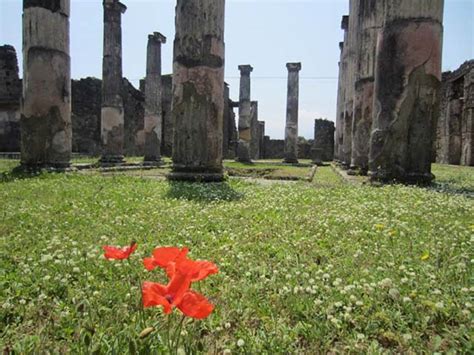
x=275, y=148
x=324, y=138
x=453, y=137
x=10, y=95
x=134, y=117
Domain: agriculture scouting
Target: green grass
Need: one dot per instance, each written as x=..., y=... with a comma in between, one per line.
x=304, y=267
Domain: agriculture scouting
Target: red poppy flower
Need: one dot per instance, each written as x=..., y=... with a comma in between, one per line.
x=169, y=257
x=176, y=294
x=119, y=253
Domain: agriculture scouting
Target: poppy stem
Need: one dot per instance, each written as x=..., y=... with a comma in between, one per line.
x=178, y=334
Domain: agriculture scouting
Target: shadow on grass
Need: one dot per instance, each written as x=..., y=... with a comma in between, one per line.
x=451, y=189
x=17, y=174
x=203, y=192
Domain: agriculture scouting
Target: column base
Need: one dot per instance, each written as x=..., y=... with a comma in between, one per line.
x=290, y=161
x=409, y=179
x=195, y=177
x=154, y=162
x=111, y=160
x=244, y=161
x=48, y=167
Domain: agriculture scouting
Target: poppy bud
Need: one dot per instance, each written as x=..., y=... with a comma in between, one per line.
x=145, y=332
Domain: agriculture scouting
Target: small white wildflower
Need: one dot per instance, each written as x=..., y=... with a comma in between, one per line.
x=436, y=292
x=394, y=294
x=311, y=281
x=406, y=299
x=386, y=283
x=76, y=269
x=353, y=298
x=47, y=278
x=248, y=274
x=22, y=301
x=227, y=325
x=360, y=336
x=338, y=304
x=439, y=305
x=226, y=352
x=359, y=303
x=240, y=343
x=407, y=337
x=318, y=302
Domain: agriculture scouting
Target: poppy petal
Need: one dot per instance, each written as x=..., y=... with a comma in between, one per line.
x=154, y=294
x=197, y=270
x=166, y=255
x=177, y=287
x=150, y=264
x=195, y=305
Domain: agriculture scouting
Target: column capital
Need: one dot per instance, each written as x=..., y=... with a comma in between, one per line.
x=157, y=37
x=345, y=22
x=341, y=45
x=116, y=4
x=293, y=67
x=245, y=69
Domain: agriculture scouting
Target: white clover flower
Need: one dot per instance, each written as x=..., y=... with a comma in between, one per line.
x=466, y=313
x=352, y=298
x=227, y=325
x=439, y=305
x=288, y=276
x=337, y=282
x=338, y=304
x=360, y=336
x=407, y=337
x=318, y=302
x=394, y=294
x=226, y=352
x=468, y=305
x=295, y=290
x=359, y=303
x=76, y=269
x=404, y=280
x=240, y=343
x=436, y=292
x=386, y=283
x=47, y=278
x=406, y=299
x=465, y=290
x=311, y=281
x=326, y=276
x=22, y=301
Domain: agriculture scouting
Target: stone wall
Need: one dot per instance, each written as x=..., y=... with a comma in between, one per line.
x=10, y=95
x=134, y=117
x=453, y=132
x=324, y=138
x=275, y=148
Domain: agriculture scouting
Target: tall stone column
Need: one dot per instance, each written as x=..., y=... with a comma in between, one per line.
x=153, y=106
x=245, y=119
x=351, y=53
x=198, y=87
x=112, y=116
x=453, y=128
x=467, y=156
x=46, y=133
x=291, y=130
x=254, y=148
x=370, y=21
x=261, y=139
x=407, y=87
x=339, y=110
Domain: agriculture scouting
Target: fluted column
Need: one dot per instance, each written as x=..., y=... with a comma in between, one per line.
x=112, y=115
x=407, y=88
x=198, y=87
x=292, y=106
x=46, y=133
x=245, y=119
x=153, y=106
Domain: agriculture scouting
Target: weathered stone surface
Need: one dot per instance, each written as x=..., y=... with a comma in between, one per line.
x=467, y=150
x=153, y=102
x=370, y=21
x=245, y=116
x=275, y=148
x=230, y=134
x=261, y=139
x=134, y=119
x=351, y=50
x=340, y=100
x=112, y=115
x=46, y=132
x=254, y=146
x=198, y=86
x=166, y=99
x=407, y=86
x=10, y=95
x=291, y=129
x=324, y=139
x=86, y=109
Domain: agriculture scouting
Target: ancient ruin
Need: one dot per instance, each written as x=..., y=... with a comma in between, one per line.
x=407, y=86
x=245, y=115
x=112, y=115
x=323, y=147
x=370, y=17
x=291, y=129
x=454, y=144
x=10, y=95
x=153, y=109
x=341, y=94
x=198, y=87
x=46, y=133
x=254, y=146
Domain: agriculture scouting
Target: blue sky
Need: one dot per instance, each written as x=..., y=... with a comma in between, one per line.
x=264, y=33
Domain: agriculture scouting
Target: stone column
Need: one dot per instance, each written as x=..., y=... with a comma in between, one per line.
x=153, y=107
x=46, y=134
x=245, y=124
x=324, y=138
x=407, y=87
x=112, y=116
x=453, y=128
x=198, y=87
x=254, y=148
x=261, y=139
x=291, y=130
x=340, y=100
x=370, y=20
x=351, y=53
x=467, y=156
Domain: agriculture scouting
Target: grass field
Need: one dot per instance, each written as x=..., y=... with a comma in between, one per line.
x=304, y=267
